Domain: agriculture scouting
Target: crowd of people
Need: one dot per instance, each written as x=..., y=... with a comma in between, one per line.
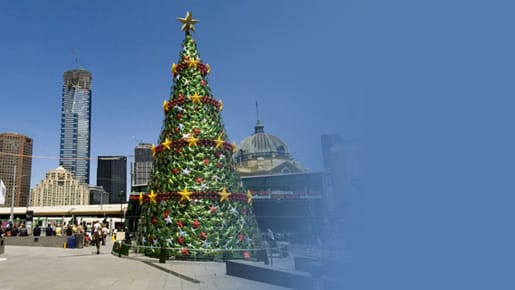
x=96, y=234
x=8, y=229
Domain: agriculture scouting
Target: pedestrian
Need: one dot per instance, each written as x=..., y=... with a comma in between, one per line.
x=127, y=236
x=37, y=231
x=104, y=234
x=49, y=231
x=97, y=235
x=270, y=238
x=58, y=230
x=14, y=230
x=23, y=230
x=69, y=231
x=87, y=238
x=270, y=234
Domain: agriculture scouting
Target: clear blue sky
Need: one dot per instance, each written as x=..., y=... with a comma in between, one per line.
x=438, y=124
x=298, y=60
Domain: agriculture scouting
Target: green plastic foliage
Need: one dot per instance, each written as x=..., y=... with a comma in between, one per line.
x=201, y=228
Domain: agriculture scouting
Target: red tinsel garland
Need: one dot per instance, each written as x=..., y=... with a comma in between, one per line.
x=181, y=100
x=202, y=142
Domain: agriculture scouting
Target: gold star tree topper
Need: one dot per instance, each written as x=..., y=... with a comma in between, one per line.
x=188, y=22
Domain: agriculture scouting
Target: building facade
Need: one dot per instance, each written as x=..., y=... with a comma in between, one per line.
x=58, y=188
x=289, y=203
x=97, y=195
x=76, y=124
x=286, y=197
x=142, y=165
x=112, y=176
x=16, y=167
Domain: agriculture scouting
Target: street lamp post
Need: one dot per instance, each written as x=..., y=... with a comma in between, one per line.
x=121, y=206
x=11, y=217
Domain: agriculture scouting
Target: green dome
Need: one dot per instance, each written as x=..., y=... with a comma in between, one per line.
x=260, y=144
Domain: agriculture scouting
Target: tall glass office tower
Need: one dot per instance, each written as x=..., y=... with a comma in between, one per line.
x=76, y=123
x=112, y=176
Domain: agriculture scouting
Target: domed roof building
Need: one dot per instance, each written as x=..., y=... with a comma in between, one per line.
x=264, y=154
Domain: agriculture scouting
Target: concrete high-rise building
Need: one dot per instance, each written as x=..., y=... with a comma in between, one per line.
x=142, y=165
x=342, y=178
x=58, y=188
x=112, y=176
x=76, y=124
x=16, y=167
x=333, y=167
x=328, y=141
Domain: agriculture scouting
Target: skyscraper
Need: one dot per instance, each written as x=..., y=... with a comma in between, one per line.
x=112, y=176
x=343, y=177
x=76, y=123
x=16, y=167
x=328, y=141
x=142, y=165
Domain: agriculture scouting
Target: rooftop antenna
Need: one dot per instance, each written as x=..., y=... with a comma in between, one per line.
x=259, y=127
x=137, y=140
x=76, y=59
x=257, y=112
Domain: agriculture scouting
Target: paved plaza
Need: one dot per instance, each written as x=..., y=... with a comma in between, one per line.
x=24, y=267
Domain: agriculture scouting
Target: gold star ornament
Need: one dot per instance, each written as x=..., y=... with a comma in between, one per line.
x=140, y=198
x=195, y=98
x=249, y=197
x=224, y=195
x=167, y=143
x=185, y=194
x=188, y=22
x=219, y=142
x=152, y=197
x=192, y=141
x=153, y=149
x=193, y=63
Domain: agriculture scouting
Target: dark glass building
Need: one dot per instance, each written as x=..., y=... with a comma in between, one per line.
x=288, y=203
x=74, y=152
x=112, y=176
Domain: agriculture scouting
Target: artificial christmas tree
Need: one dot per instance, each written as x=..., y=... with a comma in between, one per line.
x=196, y=206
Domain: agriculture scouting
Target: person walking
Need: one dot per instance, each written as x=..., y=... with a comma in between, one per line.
x=97, y=235
x=105, y=231
x=69, y=231
x=37, y=231
x=49, y=231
